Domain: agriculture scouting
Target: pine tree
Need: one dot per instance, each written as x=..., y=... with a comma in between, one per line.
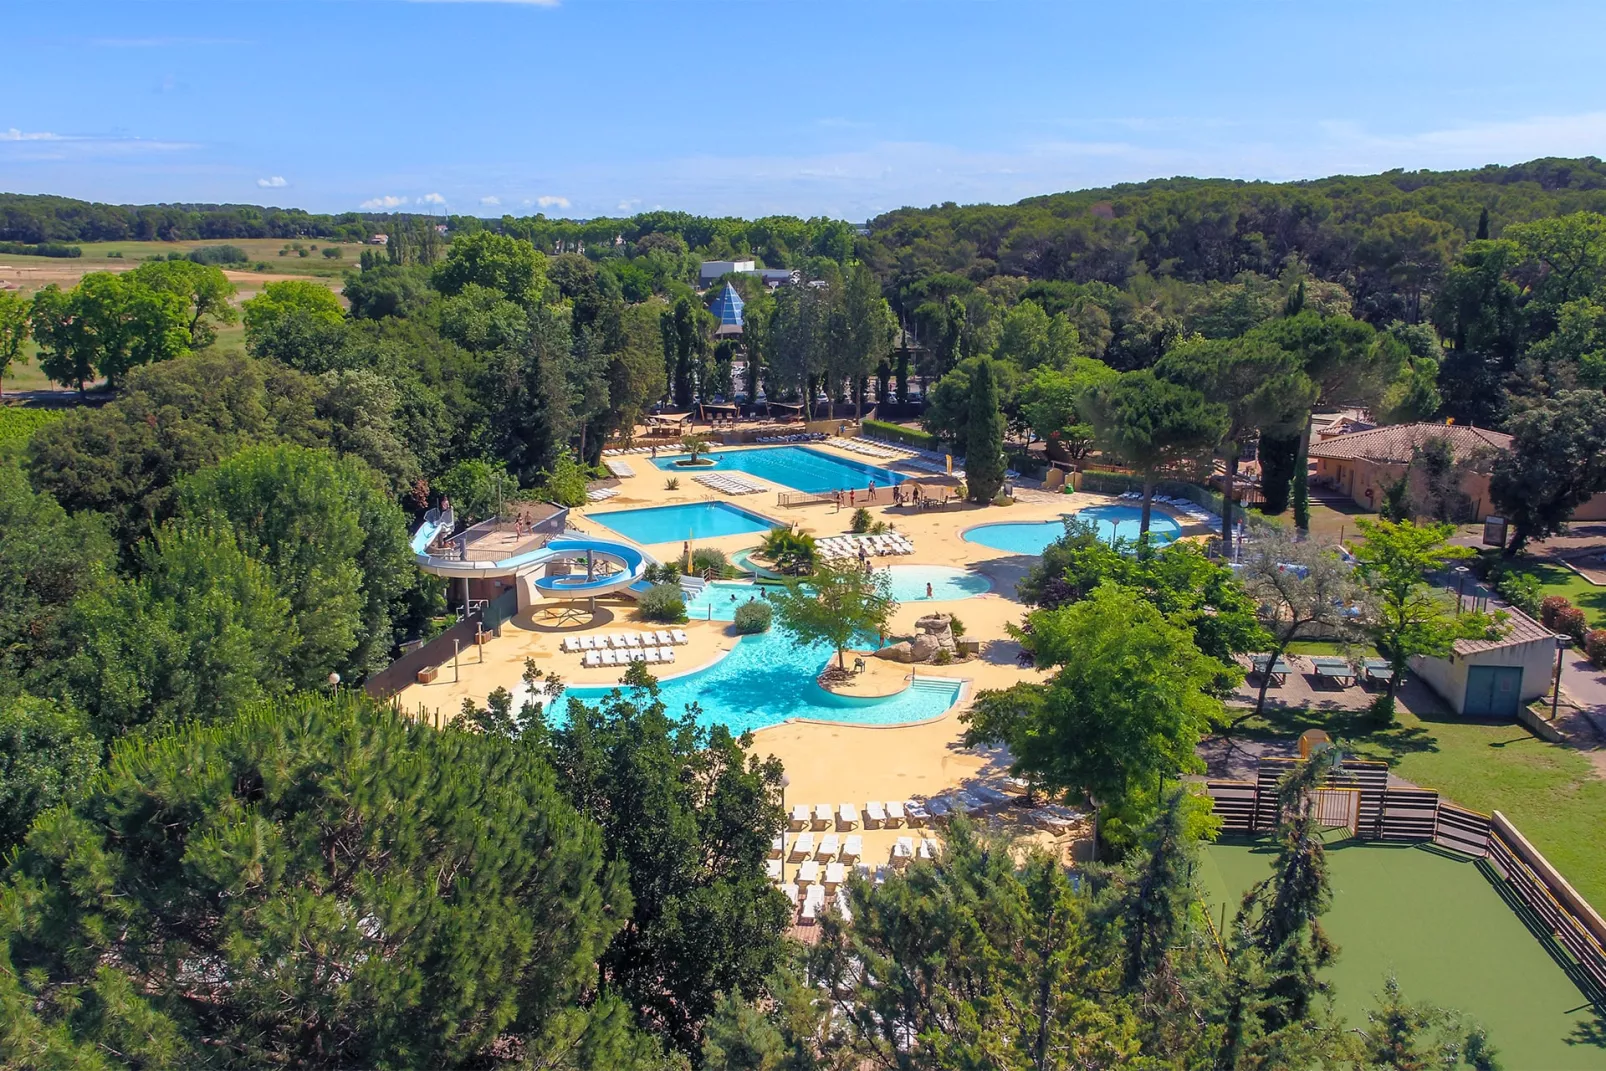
x=984, y=437
x=324, y=883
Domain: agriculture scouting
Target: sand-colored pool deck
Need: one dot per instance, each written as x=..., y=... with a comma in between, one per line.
x=826, y=762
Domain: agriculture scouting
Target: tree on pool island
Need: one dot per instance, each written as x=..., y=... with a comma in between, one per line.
x=1151, y=424
x=695, y=445
x=1123, y=713
x=838, y=602
x=984, y=438
x=1408, y=616
x=319, y=884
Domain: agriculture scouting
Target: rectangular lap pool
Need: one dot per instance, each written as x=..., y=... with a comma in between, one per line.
x=694, y=520
x=796, y=467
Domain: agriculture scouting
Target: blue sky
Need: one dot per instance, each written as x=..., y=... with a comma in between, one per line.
x=603, y=107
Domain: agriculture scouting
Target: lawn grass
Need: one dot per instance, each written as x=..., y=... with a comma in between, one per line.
x=1549, y=790
x=1333, y=648
x=1439, y=923
x=1560, y=580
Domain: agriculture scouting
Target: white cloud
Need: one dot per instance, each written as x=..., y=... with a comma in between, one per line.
x=277, y=182
x=490, y=202
x=24, y=135
x=628, y=204
x=432, y=199
x=388, y=201
x=550, y=201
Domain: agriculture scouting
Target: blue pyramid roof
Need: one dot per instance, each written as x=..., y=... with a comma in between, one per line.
x=727, y=308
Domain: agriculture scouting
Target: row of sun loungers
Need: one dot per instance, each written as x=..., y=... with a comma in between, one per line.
x=830, y=847
x=730, y=485
x=798, y=437
x=625, y=641
x=882, y=453
x=1180, y=505
x=875, y=545
x=894, y=813
x=601, y=494
x=615, y=451
x=620, y=469
x=651, y=655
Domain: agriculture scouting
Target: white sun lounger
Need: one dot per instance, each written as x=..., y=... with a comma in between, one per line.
x=790, y=892
x=881, y=874
x=800, y=815
x=663, y=637
x=617, y=639
x=813, y=903
x=772, y=870
x=822, y=814
x=928, y=848
x=852, y=848
x=588, y=643
x=609, y=658
x=678, y=635
x=847, y=816
x=632, y=640
x=874, y=816
x=894, y=814
x=777, y=845
x=916, y=813
x=808, y=873
x=568, y=645
x=835, y=874
x=863, y=870
x=666, y=654
x=829, y=846
x=802, y=847
x=903, y=850
x=651, y=655
x=937, y=808
x=591, y=660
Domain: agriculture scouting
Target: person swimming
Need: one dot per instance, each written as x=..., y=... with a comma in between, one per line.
x=928, y=589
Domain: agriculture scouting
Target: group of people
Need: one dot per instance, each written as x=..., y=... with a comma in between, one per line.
x=915, y=495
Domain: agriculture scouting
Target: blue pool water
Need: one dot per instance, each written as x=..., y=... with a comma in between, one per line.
x=769, y=678
x=1112, y=522
x=797, y=467
x=947, y=583
x=715, y=602
x=693, y=520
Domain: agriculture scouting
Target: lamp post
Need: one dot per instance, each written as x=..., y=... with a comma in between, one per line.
x=1562, y=643
x=334, y=683
x=785, y=781
x=1460, y=572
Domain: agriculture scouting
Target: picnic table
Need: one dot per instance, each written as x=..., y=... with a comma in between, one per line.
x=1378, y=670
x=1278, y=670
x=1334, y=669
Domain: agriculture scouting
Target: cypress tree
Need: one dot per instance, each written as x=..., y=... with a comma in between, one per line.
x=1301, y=496
x=1483, y=223
x=1278, y=455
x=984, y=437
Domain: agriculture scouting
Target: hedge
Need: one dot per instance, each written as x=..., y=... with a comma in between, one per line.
x=897, y=433
x=43, y=249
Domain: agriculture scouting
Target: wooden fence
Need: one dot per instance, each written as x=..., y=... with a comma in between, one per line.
x=1419, y=815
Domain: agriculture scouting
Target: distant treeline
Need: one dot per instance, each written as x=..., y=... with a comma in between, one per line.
x=45, y=249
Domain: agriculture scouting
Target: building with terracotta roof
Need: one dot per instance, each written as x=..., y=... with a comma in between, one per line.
x=1362, y=464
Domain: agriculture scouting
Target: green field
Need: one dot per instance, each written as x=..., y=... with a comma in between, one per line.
x=1550, y=791
x=97, y=256
x=1443, y=928
x=1560, y=580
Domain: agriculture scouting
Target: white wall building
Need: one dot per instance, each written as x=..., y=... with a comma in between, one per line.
x=1494, y=678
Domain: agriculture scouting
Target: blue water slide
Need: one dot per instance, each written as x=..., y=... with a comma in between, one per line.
x=630, y=561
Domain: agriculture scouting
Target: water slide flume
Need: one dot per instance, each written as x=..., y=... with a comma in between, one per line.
x=629, y=563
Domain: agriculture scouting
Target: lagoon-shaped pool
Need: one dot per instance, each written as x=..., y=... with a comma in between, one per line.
x=1112, y=523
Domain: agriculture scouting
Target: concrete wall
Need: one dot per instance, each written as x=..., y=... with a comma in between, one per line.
x=1593, y=510
x=1448, y=676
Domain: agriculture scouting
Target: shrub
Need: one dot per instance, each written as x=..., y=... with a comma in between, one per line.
x=114, y=254
x=942, y=657
x=755, y=616
x=672, y=484
x=956, y=625
x=1595, y=647
x=662, y=603
x=706, y=558
x=565, y=484
x=861, y=521
x=333, y=252
x=1550, y=607
x=301, y=252
x=43, y=249
x=1521, y=590
x=1571, y=621
x=664, y=573
x=897, y=433
x=18, y=424
x=218, y=254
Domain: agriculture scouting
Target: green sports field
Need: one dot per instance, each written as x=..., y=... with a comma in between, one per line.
x=1442, y=927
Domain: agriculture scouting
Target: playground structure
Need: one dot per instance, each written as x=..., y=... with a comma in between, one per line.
x=557, y=565
x=1358, y=797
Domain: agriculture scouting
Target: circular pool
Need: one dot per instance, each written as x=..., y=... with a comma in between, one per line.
x=947, y=583
x=1111, y=523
